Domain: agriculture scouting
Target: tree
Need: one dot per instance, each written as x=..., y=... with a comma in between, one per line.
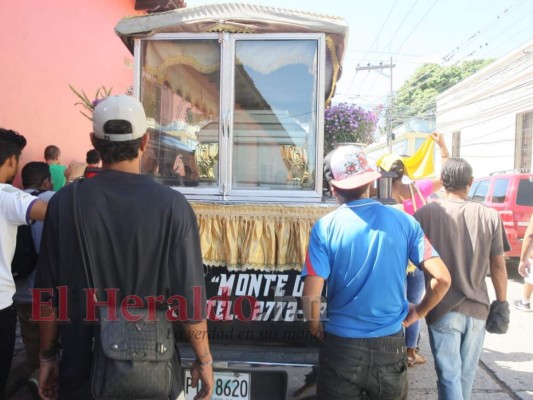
x=417, y=96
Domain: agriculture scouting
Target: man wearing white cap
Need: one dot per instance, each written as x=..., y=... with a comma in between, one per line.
x=361, y=250
x=143, y=241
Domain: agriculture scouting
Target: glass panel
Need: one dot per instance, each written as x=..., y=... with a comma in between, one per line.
x=180, y=90
x=274, y=124
x=500, y=190
x=481, y=191
x=473, y=189
x=524, y=196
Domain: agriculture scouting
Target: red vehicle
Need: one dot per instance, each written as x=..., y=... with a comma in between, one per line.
x=511, y=193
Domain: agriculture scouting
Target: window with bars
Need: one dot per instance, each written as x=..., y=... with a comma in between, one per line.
x=523, y=140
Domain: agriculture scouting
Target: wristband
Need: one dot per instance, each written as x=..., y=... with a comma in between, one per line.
x=203, y=364
x=73, y=179
x=54, y=358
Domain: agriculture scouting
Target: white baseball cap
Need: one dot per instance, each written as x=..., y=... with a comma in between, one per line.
x=120, y=107
x=349, y=168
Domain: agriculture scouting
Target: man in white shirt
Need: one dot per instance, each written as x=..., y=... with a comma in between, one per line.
x=16, y=208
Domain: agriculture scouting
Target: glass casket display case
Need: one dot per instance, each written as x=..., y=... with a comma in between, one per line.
x=235, y=97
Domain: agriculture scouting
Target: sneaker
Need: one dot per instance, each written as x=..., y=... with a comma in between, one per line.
x=520, y=305
x=33, y=387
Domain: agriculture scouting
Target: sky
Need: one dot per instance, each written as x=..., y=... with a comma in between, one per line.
x=412, y=33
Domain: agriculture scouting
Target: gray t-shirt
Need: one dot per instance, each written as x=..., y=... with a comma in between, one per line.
x=466, y=234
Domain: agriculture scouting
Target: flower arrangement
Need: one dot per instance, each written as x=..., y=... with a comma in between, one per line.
x=88, y=104
x=346, y=122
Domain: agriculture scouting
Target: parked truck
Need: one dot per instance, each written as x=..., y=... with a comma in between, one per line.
x=235, y=96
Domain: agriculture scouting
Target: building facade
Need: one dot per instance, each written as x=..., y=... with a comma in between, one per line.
x=488, y=118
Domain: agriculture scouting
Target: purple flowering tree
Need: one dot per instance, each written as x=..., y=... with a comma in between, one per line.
x=346, y=122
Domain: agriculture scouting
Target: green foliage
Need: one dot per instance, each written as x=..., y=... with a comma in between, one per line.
x=88, y=104
x=417, y=96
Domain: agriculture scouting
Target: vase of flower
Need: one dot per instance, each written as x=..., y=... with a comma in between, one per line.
x=362, y=145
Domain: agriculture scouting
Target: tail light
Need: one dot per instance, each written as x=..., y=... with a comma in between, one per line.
x=522, y=221
x=507, y=217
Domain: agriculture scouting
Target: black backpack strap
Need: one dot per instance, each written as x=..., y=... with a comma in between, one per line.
x=82, y=239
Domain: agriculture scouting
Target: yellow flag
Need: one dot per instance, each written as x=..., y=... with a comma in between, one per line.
x=420, y=165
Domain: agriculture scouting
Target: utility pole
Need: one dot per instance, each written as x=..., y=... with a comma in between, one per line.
x=381, y=67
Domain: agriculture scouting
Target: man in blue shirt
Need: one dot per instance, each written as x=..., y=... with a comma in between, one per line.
x=361, y=249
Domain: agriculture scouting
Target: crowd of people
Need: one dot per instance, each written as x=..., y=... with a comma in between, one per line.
x=364, y=251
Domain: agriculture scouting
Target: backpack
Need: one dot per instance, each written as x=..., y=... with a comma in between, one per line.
x=25, y=257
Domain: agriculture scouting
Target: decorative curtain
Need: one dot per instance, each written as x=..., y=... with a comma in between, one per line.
x=260, y=237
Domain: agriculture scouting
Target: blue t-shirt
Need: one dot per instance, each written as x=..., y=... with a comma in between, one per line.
x=362, y=249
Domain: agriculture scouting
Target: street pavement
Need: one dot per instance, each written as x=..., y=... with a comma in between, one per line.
x=505, y=370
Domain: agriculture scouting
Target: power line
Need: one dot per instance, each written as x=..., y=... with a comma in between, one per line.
x=374, y=41
x=500, y=17
x=417, y=25
x=396, y=31
x=500, y=38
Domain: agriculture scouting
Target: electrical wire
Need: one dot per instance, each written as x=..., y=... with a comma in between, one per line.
x=390, y=41
x=372, y=44
x=416, y=26
x=500, y=17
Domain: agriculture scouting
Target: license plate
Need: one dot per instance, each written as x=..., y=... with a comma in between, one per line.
x=228, y=386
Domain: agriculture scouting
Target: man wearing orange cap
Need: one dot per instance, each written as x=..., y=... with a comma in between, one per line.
x=361, y=250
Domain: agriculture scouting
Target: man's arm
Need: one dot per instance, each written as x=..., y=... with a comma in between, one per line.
x=439, y=284
x=498, y=275
x=48, y=355
x=444, y=154
x=38, y=210
x=527, y=248
x=312, y=299
x=202, y=367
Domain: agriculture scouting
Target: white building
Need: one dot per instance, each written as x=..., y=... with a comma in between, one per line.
x=487, y=119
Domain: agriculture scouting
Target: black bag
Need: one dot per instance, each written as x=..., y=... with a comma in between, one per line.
x=25, y=257
x=131, y=360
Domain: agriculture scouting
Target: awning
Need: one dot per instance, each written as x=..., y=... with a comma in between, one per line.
x=244, y=18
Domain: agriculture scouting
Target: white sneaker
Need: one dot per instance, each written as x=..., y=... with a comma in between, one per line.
x=520, y=305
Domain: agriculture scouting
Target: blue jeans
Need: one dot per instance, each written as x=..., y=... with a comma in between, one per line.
x=352, y=369
x=416, y=285
x=456, y=342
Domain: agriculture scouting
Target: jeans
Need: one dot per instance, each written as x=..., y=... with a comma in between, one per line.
x=373, y=368
x=456, y=342
x=415, y=292
x=29, y=331
x=8, y=324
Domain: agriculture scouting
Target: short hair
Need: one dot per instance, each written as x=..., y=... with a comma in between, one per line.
x=352, y=194
x=34, y=174
x=112, y=152
x=51, y=152
x=456, y=174
x=11, y=144
x=93, y=157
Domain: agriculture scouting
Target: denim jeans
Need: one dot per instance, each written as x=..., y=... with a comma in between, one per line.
x=456, y=342
x=352, y=369
x=415, y=293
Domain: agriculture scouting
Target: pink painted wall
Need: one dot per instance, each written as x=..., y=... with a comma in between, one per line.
x=45, y=46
